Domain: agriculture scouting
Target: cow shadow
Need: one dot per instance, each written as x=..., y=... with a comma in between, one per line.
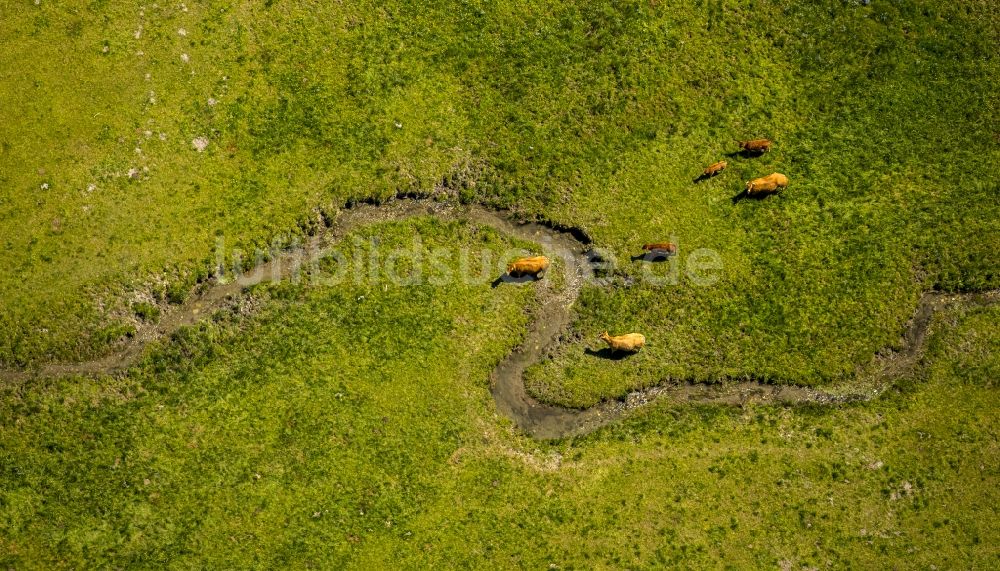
x=702, y=177
x=742, y=195
x=745, y=154
x=607, y=353
x=652, y=257
x=512, y=279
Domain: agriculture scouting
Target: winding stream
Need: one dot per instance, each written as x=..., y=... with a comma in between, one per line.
x=540, y=420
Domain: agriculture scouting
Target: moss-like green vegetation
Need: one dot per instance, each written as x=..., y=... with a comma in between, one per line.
x=351, y=423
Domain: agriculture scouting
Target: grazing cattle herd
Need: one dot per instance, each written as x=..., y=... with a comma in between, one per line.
x=756, y=188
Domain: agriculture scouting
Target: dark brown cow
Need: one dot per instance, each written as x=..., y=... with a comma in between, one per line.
x=667, y=247
x=756, y=145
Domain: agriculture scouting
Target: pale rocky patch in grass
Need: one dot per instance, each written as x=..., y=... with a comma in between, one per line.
x=199, y=143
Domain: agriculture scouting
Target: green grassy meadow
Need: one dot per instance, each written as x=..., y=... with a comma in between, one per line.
x=351, y=424
x=314, y=436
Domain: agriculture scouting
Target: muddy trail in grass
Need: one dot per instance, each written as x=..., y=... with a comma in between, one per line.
x=576, y=263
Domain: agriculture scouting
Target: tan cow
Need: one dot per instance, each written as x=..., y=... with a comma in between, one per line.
x=531, y=266
x=714, y=169
x=668, y=247
x=630, y=342
x=767, y=184
x=756, y=145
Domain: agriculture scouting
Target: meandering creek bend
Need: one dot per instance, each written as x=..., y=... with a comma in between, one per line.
x=542, y=421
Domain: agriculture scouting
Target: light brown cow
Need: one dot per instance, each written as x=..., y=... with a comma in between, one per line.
x=767, y=184
x=630, y=342
x=756, y=145
x=715, y=168
x=668, y=247
x=531, y=266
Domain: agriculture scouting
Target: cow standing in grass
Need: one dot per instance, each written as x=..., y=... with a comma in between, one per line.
x=629, y=343
x=668, y=248
x=769, y=184
x=714, y=169
x=755, y=145
x=531, y=266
